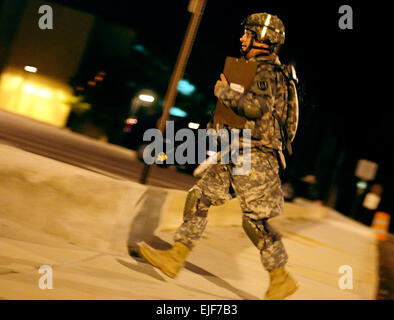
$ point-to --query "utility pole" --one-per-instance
(196, 7)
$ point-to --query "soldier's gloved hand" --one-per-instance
(222, 81)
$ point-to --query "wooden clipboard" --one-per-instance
(240, 74)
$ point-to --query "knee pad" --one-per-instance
(254, 230)
(196, 203)
(260, 232)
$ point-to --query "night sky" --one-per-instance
(342, 72)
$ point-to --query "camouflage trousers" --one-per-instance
(260, 195)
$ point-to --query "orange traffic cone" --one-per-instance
(380, 223)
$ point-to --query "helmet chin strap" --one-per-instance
(244, 53)
(269, 50)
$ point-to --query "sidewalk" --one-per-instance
(80, 223)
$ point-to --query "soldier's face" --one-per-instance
(246, 40)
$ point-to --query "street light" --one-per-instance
(193, 125)
(146, 97)
(30, 69)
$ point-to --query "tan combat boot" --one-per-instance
(282, 285)
(169, 261)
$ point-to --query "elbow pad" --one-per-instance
(251, 111)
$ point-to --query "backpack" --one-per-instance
(288, 122)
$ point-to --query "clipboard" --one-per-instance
(240, 74)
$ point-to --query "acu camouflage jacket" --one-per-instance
(270, 92)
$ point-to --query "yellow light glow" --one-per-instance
(41, 98)
(60, 95)
(31, 69)
(10, 82)
(131, 121)
(193, 125)
(29, 88)
(44, 94)
(162, 156)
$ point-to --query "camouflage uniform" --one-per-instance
(259, 191)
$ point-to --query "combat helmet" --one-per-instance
(266, 28)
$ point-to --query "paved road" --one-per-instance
(84, 152)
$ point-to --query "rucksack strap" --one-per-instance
(283, 133)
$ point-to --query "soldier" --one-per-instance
(264, 108)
